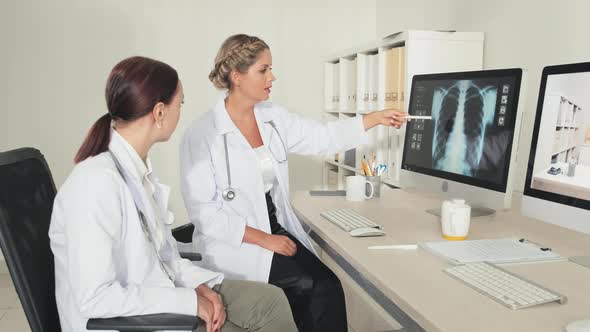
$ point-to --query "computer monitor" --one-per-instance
(466, 150)
(557, 187)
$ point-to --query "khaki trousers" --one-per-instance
(254, 306)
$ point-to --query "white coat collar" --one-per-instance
(224, 124)
(129, 158)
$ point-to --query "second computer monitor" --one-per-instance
(465, 151)
(557, 188)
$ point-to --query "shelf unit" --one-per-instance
(378, 76)
(566, 134)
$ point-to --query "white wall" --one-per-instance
(527, 33)
(313, 32)
(56, 56)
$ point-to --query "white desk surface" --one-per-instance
(576, 186)
(414, 280)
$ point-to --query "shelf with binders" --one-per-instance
(377, 76)
(379, 81)
(340, 84)
(566, 134)
(568, 114)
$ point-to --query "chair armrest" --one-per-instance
(145, 323)
(192, 256)
(184, 233)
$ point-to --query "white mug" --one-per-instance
(355, 188)
(455, 219)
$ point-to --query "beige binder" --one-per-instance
(391, 78)
(401, 78)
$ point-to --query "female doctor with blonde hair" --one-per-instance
(110, 227)
(234, 180)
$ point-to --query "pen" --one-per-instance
(380, 169)
(366, 168)
(418, 117)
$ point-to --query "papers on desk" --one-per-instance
(490, 250)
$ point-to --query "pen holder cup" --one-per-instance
(376, 182)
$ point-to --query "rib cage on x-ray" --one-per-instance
(461, 113)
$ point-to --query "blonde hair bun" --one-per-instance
(238, 52)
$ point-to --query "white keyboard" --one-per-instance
(502, 286)
(348, 220)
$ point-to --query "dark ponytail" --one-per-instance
(97, 140)
(134, 87)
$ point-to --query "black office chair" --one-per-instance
(184, 234)
(27, 192)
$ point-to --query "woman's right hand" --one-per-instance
(275, 243)
(280, 244)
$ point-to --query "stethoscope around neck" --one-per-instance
(229, 193)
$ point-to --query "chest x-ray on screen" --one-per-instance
(470, 131)
(462, 113)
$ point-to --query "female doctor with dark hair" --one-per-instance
(234, 180)
(110, 228)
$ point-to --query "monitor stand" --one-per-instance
(476, 211)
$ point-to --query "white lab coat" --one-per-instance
(104, 264)
(220, 225)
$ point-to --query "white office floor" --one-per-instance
(12, 317)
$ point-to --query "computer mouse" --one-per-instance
(366, 231)
(578, 326)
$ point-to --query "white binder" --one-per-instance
(362, 82)
(344, 86)
(329, 86)
(352, 85)
(373, 61)
(336, 87)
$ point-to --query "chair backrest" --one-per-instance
(27, 192)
